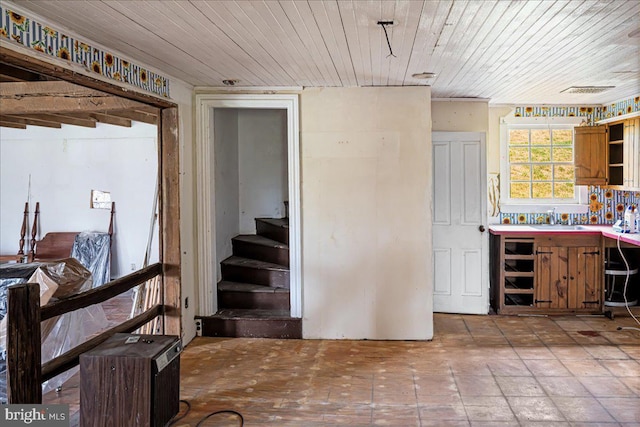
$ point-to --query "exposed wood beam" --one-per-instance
(17, 58)
(138, 116)
(32, 122)
(108, 119)
(12, 125)
(13, 74)
(67, 120)
(59, 97)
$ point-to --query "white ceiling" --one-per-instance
(508, 51)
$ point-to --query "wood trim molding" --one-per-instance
(169, 217)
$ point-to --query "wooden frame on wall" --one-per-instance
(169, 168)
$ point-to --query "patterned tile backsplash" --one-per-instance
(605, 207)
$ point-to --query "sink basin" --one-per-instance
(559, 227)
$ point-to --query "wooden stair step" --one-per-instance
(253, 263)
(232, 313)
(273, 228)
(245, 270)
(261, 248)
(228, 286)
(261, 240)
(237, 295)
(252, 323)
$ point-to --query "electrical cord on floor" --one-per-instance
(206, 417)
(624, 292)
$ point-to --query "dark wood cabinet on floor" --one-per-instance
(547, 273)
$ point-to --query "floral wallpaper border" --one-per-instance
(591, 113)
(37, 36)
(605, 207)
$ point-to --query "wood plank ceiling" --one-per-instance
(507, 51)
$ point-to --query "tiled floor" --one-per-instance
(477, 371)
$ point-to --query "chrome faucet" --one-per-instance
(552, 216)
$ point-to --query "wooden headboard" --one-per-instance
(54, 246)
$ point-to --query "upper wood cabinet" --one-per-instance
(590, 155)
(608, 155)
(631, 154)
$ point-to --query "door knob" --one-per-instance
(481, 228)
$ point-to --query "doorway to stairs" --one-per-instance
(247, 168)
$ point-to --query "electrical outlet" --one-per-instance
(133, 267)
(198, 327)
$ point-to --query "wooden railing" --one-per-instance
(25, 371)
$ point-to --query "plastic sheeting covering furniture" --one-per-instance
(57, 280)
(92, 249)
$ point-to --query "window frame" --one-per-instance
(505, 165)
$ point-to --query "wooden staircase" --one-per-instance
(253, 295)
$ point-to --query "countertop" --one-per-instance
(604, 230)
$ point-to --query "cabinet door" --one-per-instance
(585, 277)
(551, 277)
(632, 153)
(590, 154)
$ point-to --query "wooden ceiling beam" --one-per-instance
(14, 74)
(138, 116)
(67, 120)
(12, 125)
(107, 119)
(18, 59)
(30, 121)
(59, 97)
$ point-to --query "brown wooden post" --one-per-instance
(23, 230)
(34, 232)
(24, 347)
(170, 220)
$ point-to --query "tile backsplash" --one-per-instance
(606, 206)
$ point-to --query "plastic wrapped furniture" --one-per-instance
(57, 280)
(92, 249)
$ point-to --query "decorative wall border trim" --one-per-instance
(591, 113)
(37, 36)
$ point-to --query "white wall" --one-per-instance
(262, 146)
(63, 166)
(227, 187)
(366, 221)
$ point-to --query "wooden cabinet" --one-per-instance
(568, 278)
(608, 155)
(631, 154)
(546, 273)
(615, 153)
(512, 273)
(590, 155)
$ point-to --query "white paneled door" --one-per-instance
(460, 240)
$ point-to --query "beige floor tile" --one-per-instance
(534, 353)
(606, 387)
(585, 368)
(582, 409)
(506, 368)
(563, 386)
(546, 368)
(520, 386)
(633, 383)
(622, 368)
(623, 410)
(477, 385)
(535, 409)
